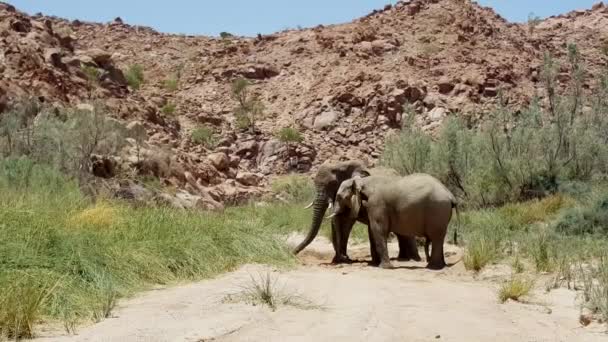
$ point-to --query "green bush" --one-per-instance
(249, 108)
(171, 84)
(289, 135)
(589, 219)
(226, 35)
(135, 76)
(65, 139)
(204, 135)
(297, 188)
(169, 109)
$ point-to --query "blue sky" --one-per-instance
(249, 17)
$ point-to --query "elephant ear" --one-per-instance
(355, 199)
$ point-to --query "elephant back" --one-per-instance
(383, 172)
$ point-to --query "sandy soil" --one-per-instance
(352, 303)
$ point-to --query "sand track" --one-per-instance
(356, 303)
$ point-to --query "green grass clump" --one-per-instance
(63, 258)
(266, 290)
(169, 109)
(204, 135)
(481, 250)
(171, 84)
(289, 135)
(514, 289)
(135, 76)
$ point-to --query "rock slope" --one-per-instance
(344, 87)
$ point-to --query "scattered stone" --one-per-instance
(325, 120)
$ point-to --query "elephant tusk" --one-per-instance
(332, 215)
(330, 205)
(309, 206)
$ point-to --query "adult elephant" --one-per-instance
(328, 179)
(414, 205)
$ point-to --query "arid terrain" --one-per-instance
(348, 303)
(343, 87)
(134, 160)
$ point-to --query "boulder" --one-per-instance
(98, 56)
(248, 178)
(325, 120)
(219, 160)
(247, 148)
(267, 150)
(259, 72)
(133, 192)
(445, 86)
(136, 130)
(437, 114)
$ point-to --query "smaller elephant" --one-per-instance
(414, 205)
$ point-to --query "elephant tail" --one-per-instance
(455, 207)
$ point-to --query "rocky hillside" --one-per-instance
(344, 87)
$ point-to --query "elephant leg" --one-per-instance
(372, 247)
(344, 231)
(341, 227)
(437, 261)
(408, 250)
(380, 232)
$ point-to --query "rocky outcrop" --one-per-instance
(344, 87)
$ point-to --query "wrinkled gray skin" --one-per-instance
(414, 205)
(327, 181)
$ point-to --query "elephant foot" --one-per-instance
(387, 265)
(436, 265)
(341, 259)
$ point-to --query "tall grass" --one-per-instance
(63, 257)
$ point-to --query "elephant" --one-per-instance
(327, 181)
(413, 205)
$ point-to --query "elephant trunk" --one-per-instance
(319, 208)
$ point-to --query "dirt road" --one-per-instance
(352, 303)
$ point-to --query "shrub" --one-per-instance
(513, 156)
(589, 219)
(135, 76)
(289, 135)
(169, 109)
(66, 139)
(514, 289)
(533, 21)
(226, 35)
(203, 135)
(296, 188)
(249, 108)
(92, 74)
(171, 84)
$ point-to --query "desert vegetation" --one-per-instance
(531, 181)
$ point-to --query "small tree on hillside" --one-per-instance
(249, 108)
(289, 136)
